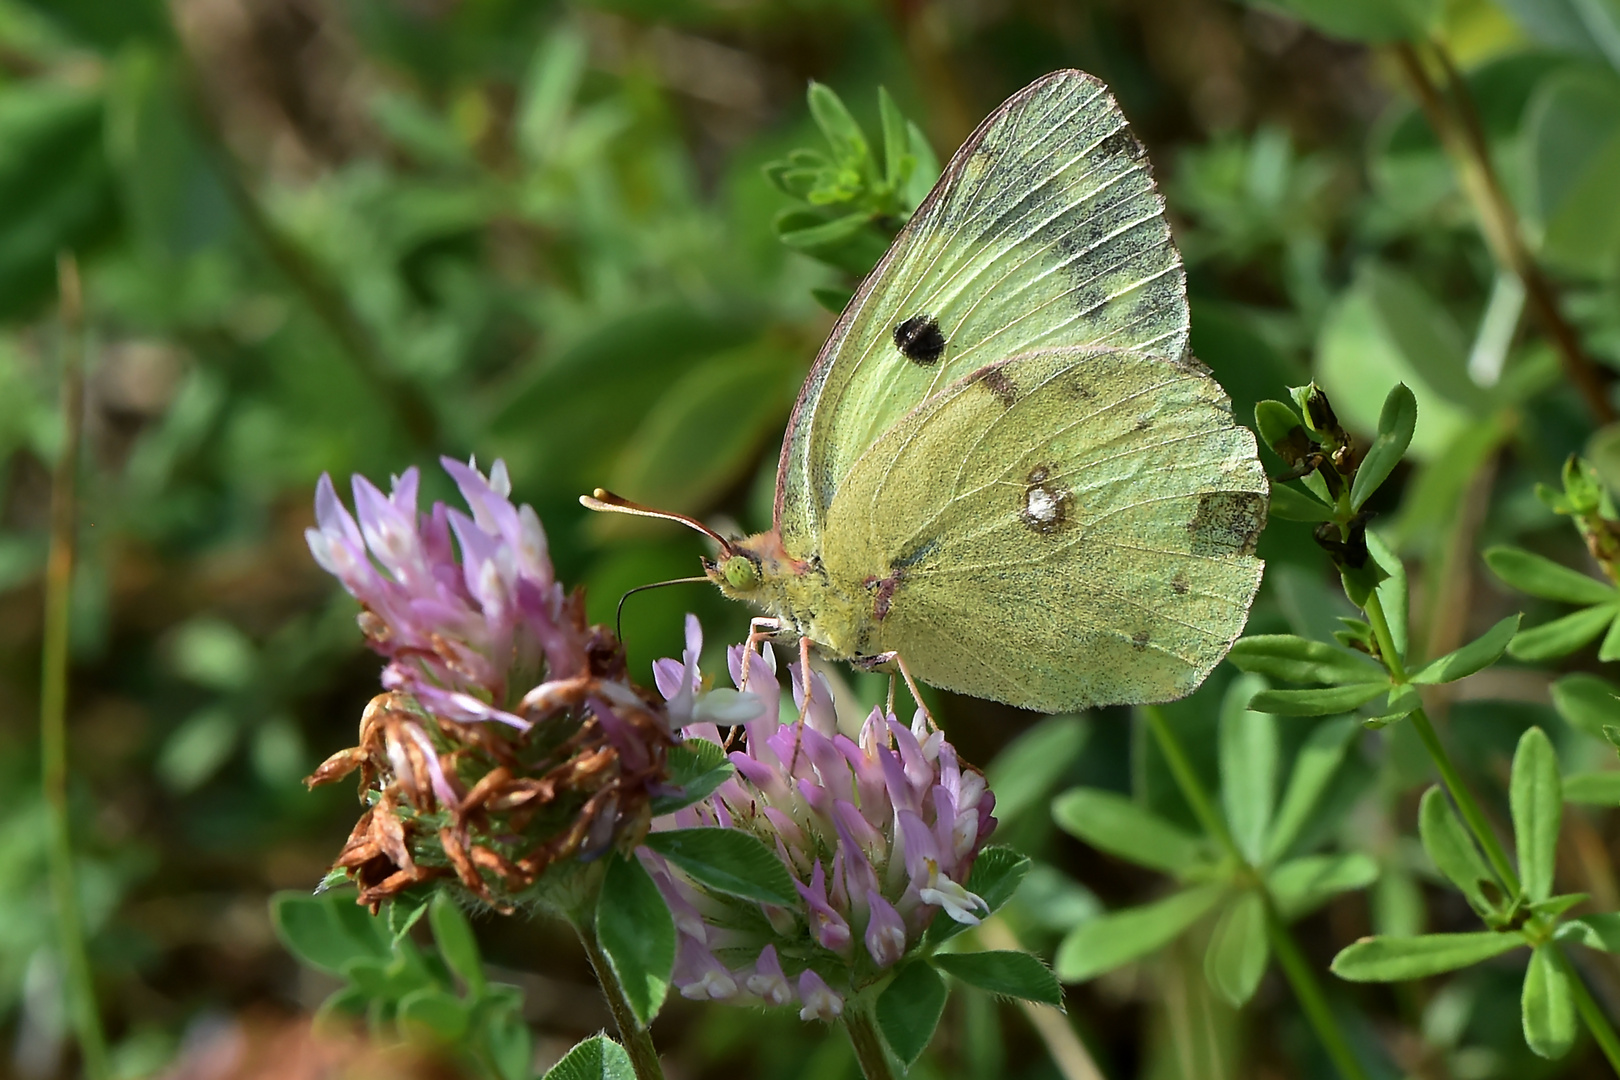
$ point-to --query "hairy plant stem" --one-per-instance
(869, 1052)
(635, 1039)
(53, 743)
(1456, 124)
(1295, 968)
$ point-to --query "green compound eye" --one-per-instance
(740, 572)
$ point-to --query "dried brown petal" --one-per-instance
(336, 767)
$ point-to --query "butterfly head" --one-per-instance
(735, 571)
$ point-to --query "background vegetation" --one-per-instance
(353, 235)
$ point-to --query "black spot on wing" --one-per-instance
(1120, 144)
(1227, 523)
(920, 340)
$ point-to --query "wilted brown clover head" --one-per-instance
(508, 737)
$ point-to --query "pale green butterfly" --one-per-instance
(1005, 472)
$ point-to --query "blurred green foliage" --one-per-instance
(350, 235)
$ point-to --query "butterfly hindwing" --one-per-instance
(1044, 230)
(1065, 528)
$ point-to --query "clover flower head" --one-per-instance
(507, 736)
(878, 830)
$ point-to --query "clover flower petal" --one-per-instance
(878, 832)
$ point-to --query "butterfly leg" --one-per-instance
(911, 684)
(804, 671)
(761, 628)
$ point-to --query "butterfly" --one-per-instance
(1005, 473)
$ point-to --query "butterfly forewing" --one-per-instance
(1044, 230)
(1065, 528)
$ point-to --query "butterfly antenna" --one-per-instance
(618, 616)
(606, 502)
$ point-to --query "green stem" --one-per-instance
(1293, 962)
(869, 1052)
(80, 982)
(1596, 1022)
(635, 1039)
(1478, 824)
(1192, 789)
(1456, 124)
(1484, 835)
(1311, 999)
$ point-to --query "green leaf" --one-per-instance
(454, 936)
(1315, 765)
(700, 437)
(1582, 26)
(1108, 941)
(636, 931)
(1562, 636)
(595, 1058)
(842, 132)
(1587, 702)
(1290, 504)
(728, 860)
(897, 158)
(1024, 771)
(997, 873)
(1572, 144)
(1332, 699)
(1540, 576)
(1548, 1004)
(1238, 949)
(1477, 655)
(1555, 906)
(926, 170)
(56, 184)
(834, 300)
(1537, 803)
(549, 89)
(1395, 426)
(1403, 701)
(1005, 974)
(318, 932)
(1594, 931)
(802, 236)
(434, 1013)
(1247, 748)
(1297, 659)
(339, 1012)
(909, 1009)
(1593, 788)
(1114, 823)
(1451, 849)
(508, 1041)
(400, 917)
(696, 768)
(390, 980)
(1609, 648)
(1397, 959)
(1300, 886)
(1392, 590)
(198, 748)
(1281, 429)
